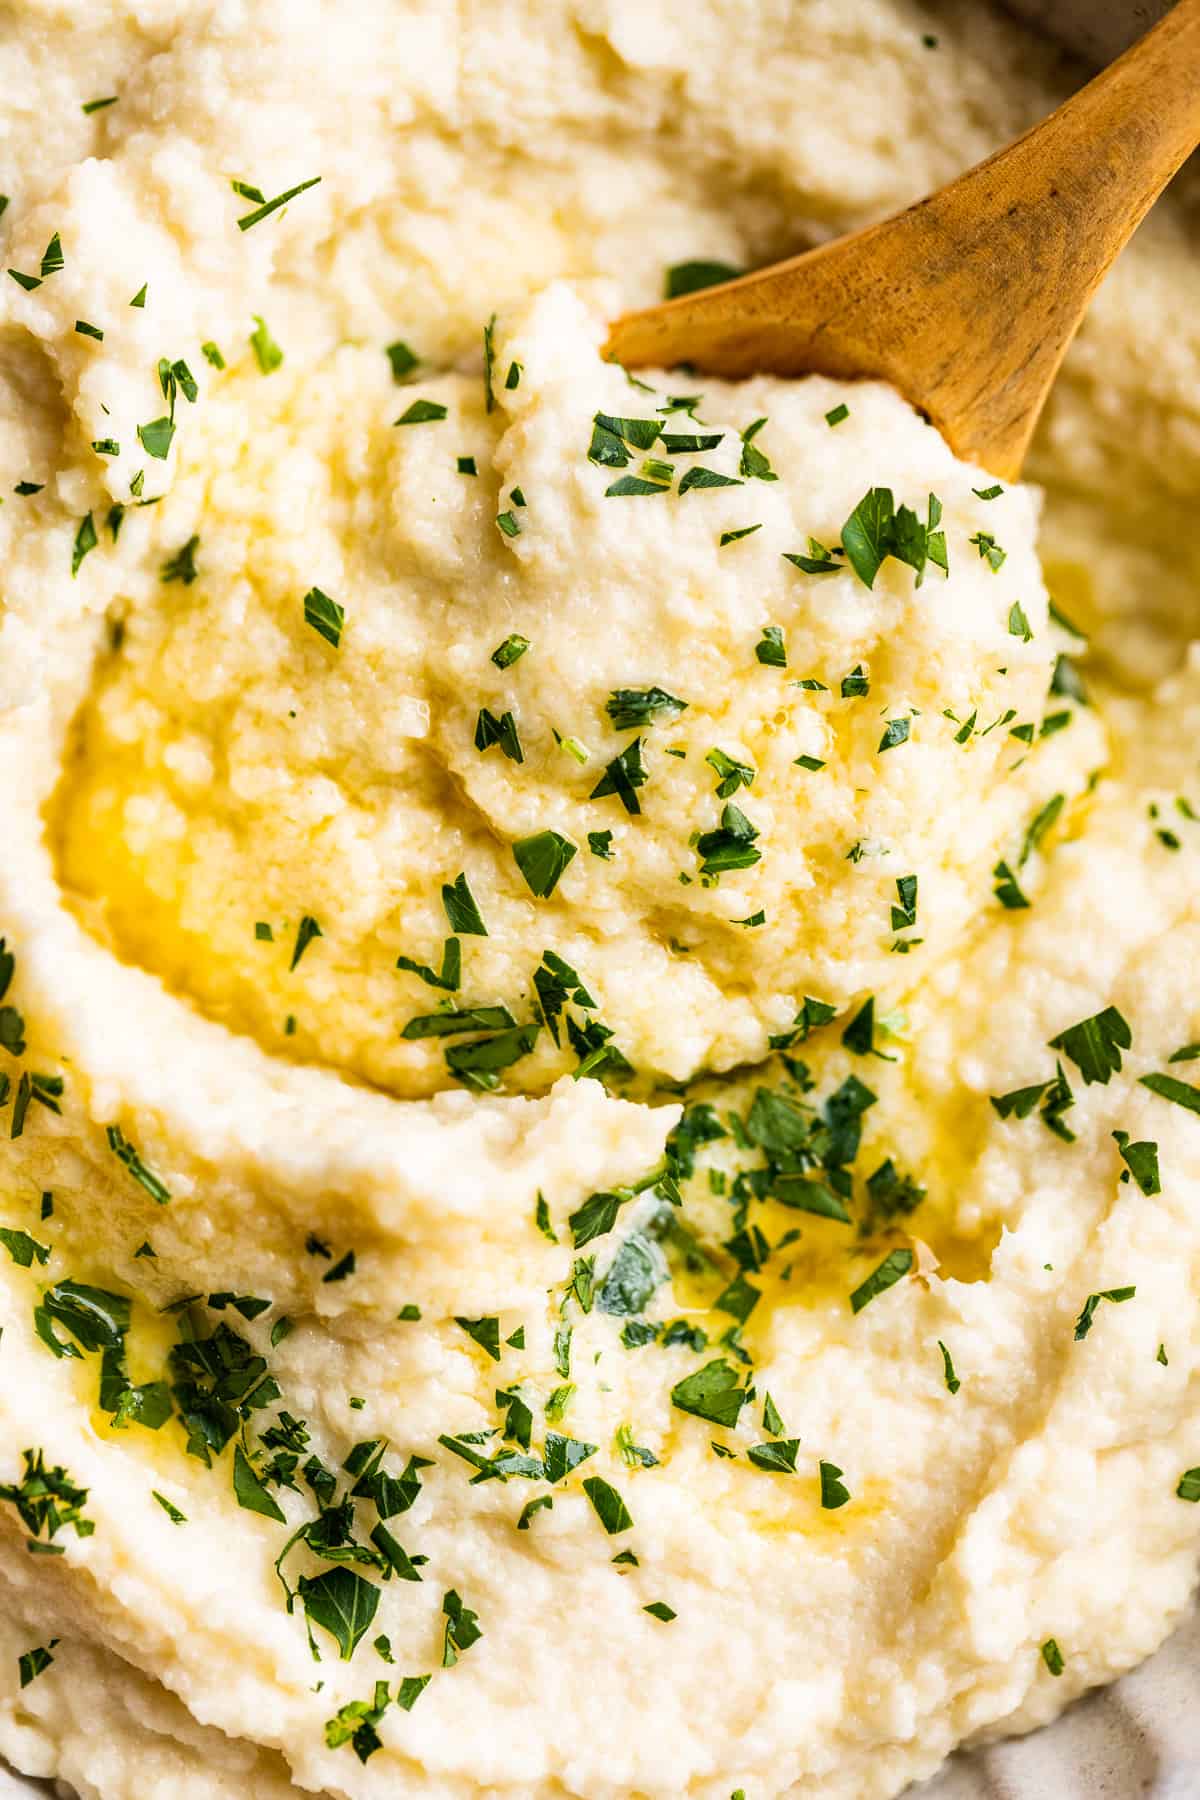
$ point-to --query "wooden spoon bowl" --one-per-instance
(967, 301)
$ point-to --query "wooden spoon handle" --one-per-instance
(967, 301)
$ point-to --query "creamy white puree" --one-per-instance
(184, 760)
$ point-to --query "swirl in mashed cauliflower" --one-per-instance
(595, 1033)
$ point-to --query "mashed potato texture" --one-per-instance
(597, 1030)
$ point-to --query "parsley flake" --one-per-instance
(1083, 1323)
(461, 910)
(422, 412)
(608, 1505)
(325, 616)
(542, 860)
(266, 351)
(307, 930)
(270, 206)
(951, 1379)
(1181, 1093)
(1095, 1045)
(894, 1267)
(833, 1493)
(510, 651)
(689, 277)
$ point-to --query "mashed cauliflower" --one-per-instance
(594, 1037)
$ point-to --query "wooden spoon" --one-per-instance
(967, 301)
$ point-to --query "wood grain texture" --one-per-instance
(967, 301)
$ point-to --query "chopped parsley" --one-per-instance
(611, 435)
(491, 730)
(904, 912)
(711, 1393)
(623, 776)
(510, 651)
(819, 560)
(689, 277)
(635, 709)
(877, 529)
(461, 909)
(32, 1663)
(127, 1155)
(733, 537)
(402, 359)
(484, 1332)
(1043, 820)
(730, 846)
(608, 1505)
(895, 732)
(754, 464)
(23, 1249)
(1141, 1163)
(833, 1493)
(249, 1490)
(47, 1501)
(341, 1603)
(1054, 1096)
(462, 1629)
(451, 973)
(181, 566)
(542, 860)
(655, 479)
(1095, 1045)
(270, 206)
(1083, 1323)
(1018, 624)
(422, 412)
(1181, 1093)
(1052, 1656)
(266, 351)
(355, 1723)
(770, 648)
(894, 1267)
(307, 930)
(52, 258)
(325, 616)
(706, 478)
(156, 436)
(1008, 889)
(991, 553)
(85, 541)
(731, 773)
(776, 1458)
(951, 1379)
